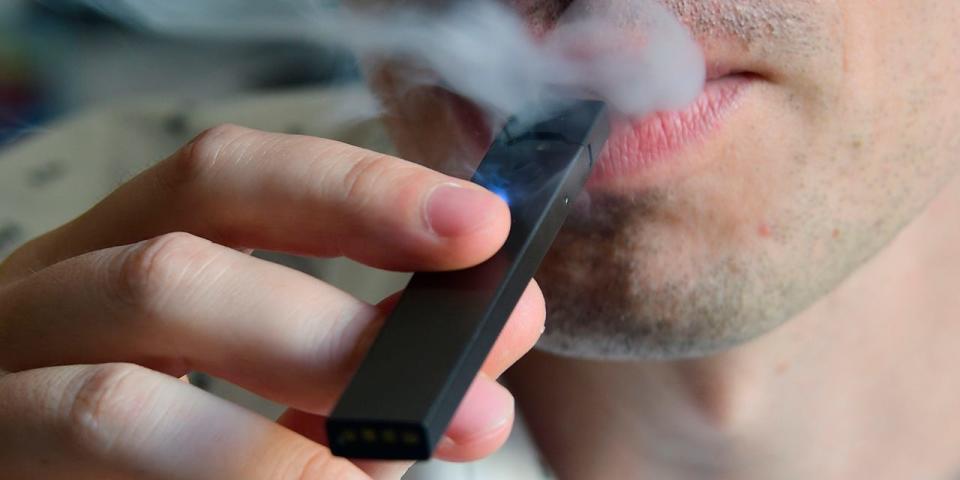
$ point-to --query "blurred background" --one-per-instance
(120, 98)
(58, 56)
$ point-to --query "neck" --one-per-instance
(861, 385)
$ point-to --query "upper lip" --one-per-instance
(715, 71)
(724, 59)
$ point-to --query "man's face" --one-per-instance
(825, 128)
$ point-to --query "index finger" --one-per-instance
(250, 189)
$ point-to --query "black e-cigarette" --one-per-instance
(403, 396)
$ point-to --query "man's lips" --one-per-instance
(639, 152)
(648, 147)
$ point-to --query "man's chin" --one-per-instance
(637, 344)
(652, 328)
(613, 302)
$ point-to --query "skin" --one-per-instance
(786, 294)
(99, 317)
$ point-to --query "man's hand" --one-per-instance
(99, 317)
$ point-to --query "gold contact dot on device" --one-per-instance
(348, 436)
(410, 438)
(389, 436)
(369, 435)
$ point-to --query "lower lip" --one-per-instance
(648, 149)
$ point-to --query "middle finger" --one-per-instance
(180, 302)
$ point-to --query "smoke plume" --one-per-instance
(479, 49)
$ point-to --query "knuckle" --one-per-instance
(201, 155)
(12, 267)
(150, 270)
(365, 176)
(107, 400)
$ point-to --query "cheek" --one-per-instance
(901, 92)
(849, 158)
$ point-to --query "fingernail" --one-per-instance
(445, 442)
(452, 210)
